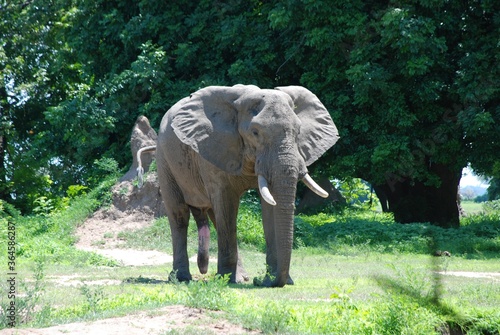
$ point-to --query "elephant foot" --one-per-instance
(271, 281)
(241, 274)
(180, 276)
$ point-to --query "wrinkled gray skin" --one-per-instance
(211, 147)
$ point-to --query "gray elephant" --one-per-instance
(221, 141)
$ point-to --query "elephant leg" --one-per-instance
(271, 249)
(225, 208)
(178, 218)
(241, 274)
(200, 216)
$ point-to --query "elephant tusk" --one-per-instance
(264, 191)
(140, 169)
(314, 186)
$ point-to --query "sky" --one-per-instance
(470, 179)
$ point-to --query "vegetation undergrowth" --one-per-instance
(479, 236)
(50, 236)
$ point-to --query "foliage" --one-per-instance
(357, 193)
(409, 87)
(494, 188)
(28, 298)
(43, 207)
(250, 229)
(49, 236)
(94, 297)
(212, 293)
(492, 207)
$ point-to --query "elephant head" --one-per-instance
(271, 135)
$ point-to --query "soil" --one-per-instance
(161, 321)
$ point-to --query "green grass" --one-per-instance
(356, 272)
(471, 207)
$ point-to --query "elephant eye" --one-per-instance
(255, 132)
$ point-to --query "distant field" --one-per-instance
(471, 207)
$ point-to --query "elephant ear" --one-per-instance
(318, 133)
(207, 121)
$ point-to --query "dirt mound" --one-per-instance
(143, 135)
(132, 208)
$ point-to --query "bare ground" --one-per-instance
(161, 321)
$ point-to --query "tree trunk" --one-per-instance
(382, 197)
(413, 201)
(4, 190)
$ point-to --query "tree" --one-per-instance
(494, 189)
(26, 89)
(414, 89)
(413, 86)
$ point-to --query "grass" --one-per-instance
(356, 272)
(471, 207)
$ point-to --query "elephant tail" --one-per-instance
(140, 169)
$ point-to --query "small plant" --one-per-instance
(341, 296)
(107, 164)
(152, 166)
(210, 294)
(98, 243)
(76, 190)
(275, 318)
(123, 190)
(172, 278)
(94, 297)
(28, 298)
(43, 206)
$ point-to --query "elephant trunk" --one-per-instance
(284, 192)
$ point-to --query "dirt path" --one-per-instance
(155, 322)
(487, 275)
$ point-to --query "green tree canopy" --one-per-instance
(412, 85)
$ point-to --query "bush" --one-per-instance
(249, 223)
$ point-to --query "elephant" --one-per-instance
(221, 141)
